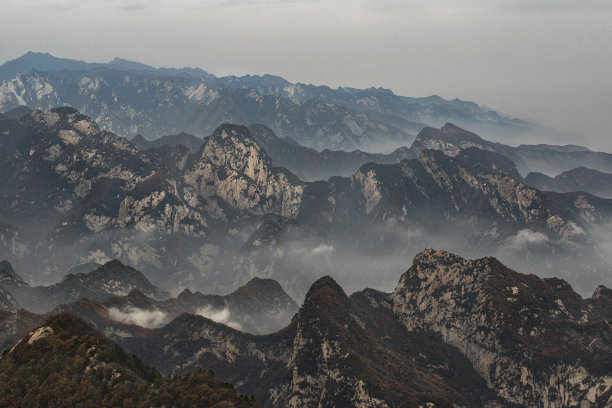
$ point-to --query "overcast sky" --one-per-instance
(548, 60)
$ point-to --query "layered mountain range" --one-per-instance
(73, 193)
(129, 98)
(110, 279)
(124, 229)
(123, 294)
(454, 332)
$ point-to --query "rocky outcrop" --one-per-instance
(232, 166)
(534, 341)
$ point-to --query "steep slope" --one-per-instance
(64, 156)
(67, 361)
(455, 332)
(534, 341)
(75, 194)
(232, 166)
(579, 179)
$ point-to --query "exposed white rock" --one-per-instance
(40, 333)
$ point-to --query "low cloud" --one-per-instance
(573, 230)
(322, 249)
(141, 317)
(527, 237)
(222, 316)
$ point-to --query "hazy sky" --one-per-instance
(541, 59)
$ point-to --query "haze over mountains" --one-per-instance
(226, 213)
(129, 98)
(221, 223)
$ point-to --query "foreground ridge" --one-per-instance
(67, 360)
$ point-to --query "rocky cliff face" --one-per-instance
(232, 166)
(454, 332)
(534, 341)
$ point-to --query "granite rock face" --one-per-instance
(232, 166)
(535, 341)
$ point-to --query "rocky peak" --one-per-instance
(603, 292)
(233, 147)
(68, 122)
(325, 300)
(264, 291)
(500, 318)
(232, 166)
(114, 278)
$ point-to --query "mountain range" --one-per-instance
(158, 223)
(454, 332)
(73, 193)
(122, 293)
(130, 98)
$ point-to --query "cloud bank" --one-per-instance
(141, 317)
